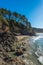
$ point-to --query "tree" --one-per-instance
(2, 11)
(25, 21)
(22, 18)
(16, 16)
(9, 14)
(29, 25)
(5, 13)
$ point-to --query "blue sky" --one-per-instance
(32, 9)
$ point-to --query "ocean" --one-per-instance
(38, 46)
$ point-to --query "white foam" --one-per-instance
(40, 59)
(36, 38)
(39, 52)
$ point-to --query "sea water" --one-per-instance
(38, 47)
(39, 40)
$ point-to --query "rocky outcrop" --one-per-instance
(6, 41)
(6, 60)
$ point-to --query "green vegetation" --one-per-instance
(16, 22)
(38, 30)
(12, 24)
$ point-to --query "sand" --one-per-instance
(22, 37)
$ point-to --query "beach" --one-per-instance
(30, 52)
(23, 51)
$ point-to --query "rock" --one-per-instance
(25, 55)
(6, 41)
(2, 62)
(18, 61)
(19, 52)
(24, 49)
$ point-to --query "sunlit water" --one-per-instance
(38, 46)
(39, 40)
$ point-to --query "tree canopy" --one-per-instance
(14, 18)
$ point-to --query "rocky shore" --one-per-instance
(16, 55)
(20, 53)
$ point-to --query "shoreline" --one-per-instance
(21, 38)
(27, 57)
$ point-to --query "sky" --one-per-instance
(32, 9)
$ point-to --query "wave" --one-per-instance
(36, 38)
(39, 50)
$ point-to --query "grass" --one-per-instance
(11, 54)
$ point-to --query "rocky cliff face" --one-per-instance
(7, 40)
